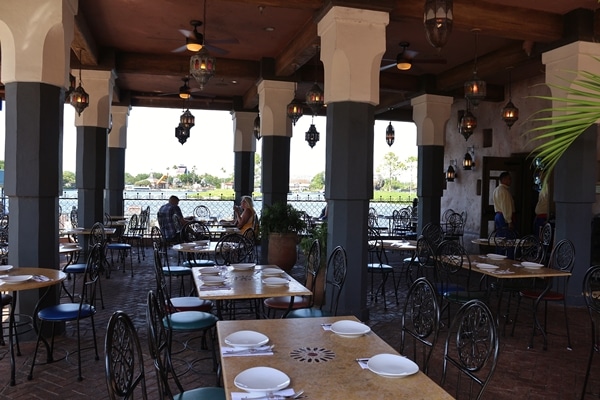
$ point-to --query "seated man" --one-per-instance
(166, 219)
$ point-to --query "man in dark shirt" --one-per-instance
(170, 225)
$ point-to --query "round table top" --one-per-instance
(42, 277)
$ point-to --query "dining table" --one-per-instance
(503, 269)
(317, 360)
(250, 283)
(16, 280)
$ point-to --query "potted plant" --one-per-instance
(281, 223)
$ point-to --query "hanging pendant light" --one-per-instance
(475, 89)
(315, 96)
(202, 67)
(450, 173)
(467, 123)
(390, 134)
(312, 135)
(187, 120)
(71, 89)
(295, 110)
(182, 134)
(437, 19)
(256, 128)
(78, 97)
(510, 113)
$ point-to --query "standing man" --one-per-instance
(170, 219)
(504, 205)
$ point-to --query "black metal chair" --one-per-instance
(133, 235)
(378, 264)
(124, 360)
(233, 248)
(337, 263)
(161, 256)
(67, 312)
(420, 321)
(159, 341)
(434, 233)
(562, 259)
(591, 295)
(472, 348)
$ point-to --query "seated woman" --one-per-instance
(244, 214)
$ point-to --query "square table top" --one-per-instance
(247, 285)
(322, 363)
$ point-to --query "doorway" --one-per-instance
(522, 190)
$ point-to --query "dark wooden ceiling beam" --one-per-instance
(299, 51)
(83, 45)
(512, 23)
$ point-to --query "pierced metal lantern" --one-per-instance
(390, 134)
(312, 136)
(187, 120)
(314, 98)
(182, 134)
(202, 67)
(295, 111)
(437, 19)
(256, 128)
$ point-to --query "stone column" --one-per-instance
(115, 173)
(352, 44)
(431, 114)
(244, 148)
(92, 132)
(276, 132)
(35, 63)
(575, 173)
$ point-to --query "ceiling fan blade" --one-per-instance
(179, 49)
(186, 33)
(215, 49)
(387, 67)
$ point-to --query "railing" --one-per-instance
(221, 207)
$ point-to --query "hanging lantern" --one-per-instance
(390, 134)
(510, 113)
(312, 136)
(202, 67)
(256, 128)
(71, 89)
(182, 134)
(437, 19)
(475, 89)
(467, 123)
(450, 174)
(295, 111)
(187, 120)
(314, 98)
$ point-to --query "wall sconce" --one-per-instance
(469, 160)
(451, 172)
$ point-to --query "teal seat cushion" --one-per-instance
(206, 393)
(190, 320)
(309, 313)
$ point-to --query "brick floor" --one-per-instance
(556, 373)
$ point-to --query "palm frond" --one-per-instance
(579, 110)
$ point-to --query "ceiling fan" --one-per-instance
(185, 91)
(406, 58)
(194, 40)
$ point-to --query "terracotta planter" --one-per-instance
(282, 250)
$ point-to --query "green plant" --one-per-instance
(319, 231)
(579, 110)
(281, 218)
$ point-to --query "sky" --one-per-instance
(152, 146)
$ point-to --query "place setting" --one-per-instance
(348, 328)
(213, 282)
(246, 343)
(243, 266)
(389, 365)
(264, 383)
(275, 281)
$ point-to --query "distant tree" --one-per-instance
(317, 183)
(411, 163)
(129, 179)
(390, 167)
(143, 182)
(1, 164)
(257, 170)
(68, 180)
(209, 180)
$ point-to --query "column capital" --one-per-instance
(431, 114)
(243, 131)
(352, 45)
(273, 98)
(118, 133)
(37, 49)
(99, 85)
(567, 60)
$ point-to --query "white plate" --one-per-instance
(486, 266)
(6, 267)
(349, 328)
(272, 272)
(212, 280)
(209, 271)
(243, 266)
(531, 265)
(246, 339)
(392, 365)
(261, 379)
(496, 256)
(17, 278)
(188, 245)
(202, 242)
(274, 281)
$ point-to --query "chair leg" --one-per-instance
(512, 332)
(589, 364)
(567, 324)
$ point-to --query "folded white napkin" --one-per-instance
(246, 395)
(362, 362)
(40, 278)
(247, 351)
